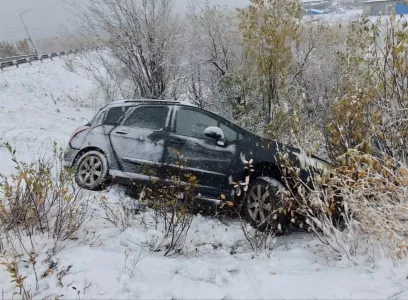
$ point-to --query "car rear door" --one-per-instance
(138, 142)
(210, 163)
(102, 125)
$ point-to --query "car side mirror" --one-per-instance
(216, 133)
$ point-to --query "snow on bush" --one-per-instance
(41, 199)
(39, 202)
(358, 203)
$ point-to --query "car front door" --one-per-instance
(210, 163)
(138, 142)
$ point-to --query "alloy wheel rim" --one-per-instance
(90, 170)
(259, 204)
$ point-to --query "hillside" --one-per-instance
(45, 103)
(40, 104)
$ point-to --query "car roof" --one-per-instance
(130, 102)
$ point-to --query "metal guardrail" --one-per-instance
(17, 57)
(23, 59)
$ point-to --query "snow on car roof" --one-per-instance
(142, 100)
(123, 101)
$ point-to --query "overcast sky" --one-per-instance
(47, 16)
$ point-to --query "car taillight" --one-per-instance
(78, 130)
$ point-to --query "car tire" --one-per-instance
(91, 170)
(264, 196)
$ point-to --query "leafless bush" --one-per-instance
(177, 219)
(173, 204)
(120, 212)
(69, 63)
(143, 39)
(261, 237)
(261, 241)
(103, 69)
(77, 100)
(131, 263)
(41, 198)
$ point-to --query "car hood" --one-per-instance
(267, 150)
(312, 161)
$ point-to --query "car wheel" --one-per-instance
(91, 170)
(262, 199)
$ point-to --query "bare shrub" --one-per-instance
(215, 77)
(69, 64)
(143, 39)
(41, 198)
(261, 238)
(77, 100)
(120, 213)
(131, 263)
(173, 204)
(103, 69)
(260, 241)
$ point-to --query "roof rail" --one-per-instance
(146, 101)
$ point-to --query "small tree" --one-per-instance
(269, 29)
(217, 63)
(371, 112)
(143, 36)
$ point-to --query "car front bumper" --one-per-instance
(69, 157)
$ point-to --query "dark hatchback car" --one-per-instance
(127, 136)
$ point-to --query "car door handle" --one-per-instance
(177, 141)
(121, 132)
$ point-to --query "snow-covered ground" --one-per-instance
(217, 263)
(40, 104)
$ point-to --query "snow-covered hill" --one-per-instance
(40, 104)
(44, 103)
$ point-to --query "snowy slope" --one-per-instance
(36, 107)
(216, 264)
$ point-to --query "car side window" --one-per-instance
(193, 123)
(114, 115)
(148, 117)
(230, 134)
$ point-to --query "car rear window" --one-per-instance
(114, 115)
